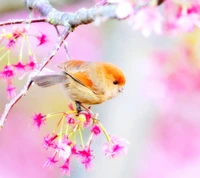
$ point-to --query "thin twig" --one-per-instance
(65, 45)
(22, 21)
(28, 84)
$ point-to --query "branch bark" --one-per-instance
(65, 44)
(21, 21)
(82, 16)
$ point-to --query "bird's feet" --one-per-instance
(78, 107)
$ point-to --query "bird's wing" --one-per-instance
(49, 80)
(74, 66)
(80, 71)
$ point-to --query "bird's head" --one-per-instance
(115, 80)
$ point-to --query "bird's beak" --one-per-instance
(121, 90)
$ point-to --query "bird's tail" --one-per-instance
(50, 80)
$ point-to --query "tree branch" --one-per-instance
(82, 16)
(22, 21)
(65, 44)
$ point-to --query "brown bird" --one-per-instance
(86, 82)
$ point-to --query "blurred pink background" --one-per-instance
(158, 112)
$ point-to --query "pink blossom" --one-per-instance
(194, 8)
(42, 39)
(11, 90)
(66, 140)
(19, 66)
(180, 18)
(39, 119)
(7, 73)
(66, 168)
(32, 63)
(18, 32)
(64, 149)
(116, 146)
(74, 150)
(86, 157)
(49, 141)
(88, 117)
(148, 19)
(11, 44)
(70, 119)
(51, 162)
(187, 22)
(12, 37)
(96, 130)
(70, 106)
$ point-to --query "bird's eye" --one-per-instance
(115, 82)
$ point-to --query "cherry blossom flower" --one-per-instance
(66, 168)
(49, 141)
(115, 147)
(181, 18)
(70, 119)
(188, 20)
(87, 116)
(11, 90)
(18, 32)
(32, 63)
(74, 150)
(86, 157)
(70, 106)
(11, 44)
(96, 130)
(19, 66)
(7, 73)
(39, 119)
(64, 149)
(51, 161)
(147, 20)
(13, 36)
(42, 39)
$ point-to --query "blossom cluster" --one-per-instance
(65, 145)
(9, 41)
(176, 16)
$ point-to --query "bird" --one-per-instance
(86, 82)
